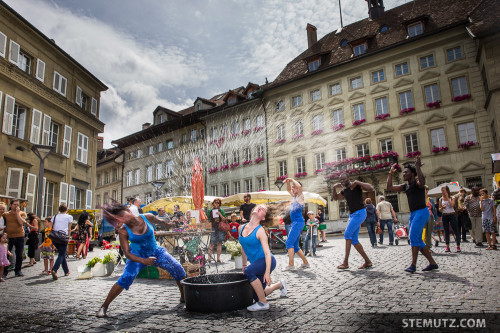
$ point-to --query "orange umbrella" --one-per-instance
(197, 190)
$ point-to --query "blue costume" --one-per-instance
(145, 246)
(292, 240)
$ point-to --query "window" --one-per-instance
(280, 132)
(261, 184)
(259, 121)
(344, 42)
(393, 199)
(298, 128)
(137, 177)
(84, 101)
(139, 153)
(427, 61)
(151, 150)
(149, 173)
(459, 86)
(402, 69)
(19, 121)
(225, 159)
(378, 76)
(40, 69)
(79, 198)
(225, 189)
(114, 195)
(431, 93)
(248, 185)
(318, 122)
(437, 138)
(159, 119)
(159, 171)
(381, 106)
(168, 169)
(282, 171)
(115, 174)
(260, 151)
(106, 177)
(356, 83)
(246, 124)
(193, 135)
(301, 164)
(99, 180)
(59, 83)
(338, 119)
(405, 100)
(170, 144)
(129, 178)
(160, 147)
(296, 101)
(385, 145)
(49, 198)
(131, 155)
(213, 189)
(82, 148)
(232, 100)
(383, 28)
(470, 182)
(236, 156)
(411, 142)
(280, 106)
(3, 44)
(14, 50)
(335, 89)
(24, 62)
(202, 133)
(340, 154)
(214, 161)
(247, 154)
(54, 136)
(315, 95)
(236, 187)
(224, 131)
(313, 65)
(362, 149)
(236, 128)
(320, 161)
(359, 111)
(415, 29)
(466, 132)
(215, 133)
(359, 49)
(184, 138)
(343, 209)
(454, 53)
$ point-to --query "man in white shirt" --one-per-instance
(384, 210)
(134, 206)
(61, 222)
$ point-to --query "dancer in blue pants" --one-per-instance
(415, 191)
(353, 194)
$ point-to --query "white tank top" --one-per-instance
(447, 208)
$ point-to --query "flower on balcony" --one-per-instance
(224, 167)
(297, 136)
(258, 160)
(300, 174)
(397, 167)
(338, 127)
(263, 190)
(279, 141)
(406, 111)
(247, 162)
(316, 132)
(358, 122)
(245, 132)
(382, 116)
(258, 128)
(438, 149)
(461, 98)
(413, 154)
(435, 104)
(282, 177)
(234, 135)
(467, 145)
(233, 165)
(389, 154)
(319, 171)
(213, 170)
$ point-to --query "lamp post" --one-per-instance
(157, 186)
(41, 151)
(279, 183)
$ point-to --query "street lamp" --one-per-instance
(279, 183)
(157, 186)
(41, 151)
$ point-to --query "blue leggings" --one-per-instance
(353, 225)
(163, 260)
(292, 240)
(256, 271)
(418, 220)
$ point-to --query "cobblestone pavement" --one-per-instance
(320, 298)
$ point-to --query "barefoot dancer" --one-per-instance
(142, 251)
(415, 191)
(353, 194)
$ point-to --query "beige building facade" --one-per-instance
(109, 175)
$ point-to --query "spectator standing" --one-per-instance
(215, 216)
(14, 228)
(4, 262)
(2, 220)
(61, 222)
(371, 221)
(472, 203)
(489, 218)
(321, 219)
(235, 226)
(384, 211)
(446, 206)
(135, 204)
(462, 215)
(47, 248)
(312, 225)
(246, 208)
(33, 223)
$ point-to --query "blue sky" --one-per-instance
(167, 52)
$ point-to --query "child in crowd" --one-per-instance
(489, 218)
(47, 248)
(4, 240)
(312, 233)
(235, 226)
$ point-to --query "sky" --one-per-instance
(169, 52)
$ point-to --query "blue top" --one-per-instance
(296, 211)
(371, 213)
(251, 245)
(144, 245)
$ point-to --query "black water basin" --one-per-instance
(217, 292)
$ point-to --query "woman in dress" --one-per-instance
(215, 216)
(82, 228)
(292, 241)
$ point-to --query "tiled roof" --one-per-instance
(438, 15)
(106, 155)
(485, 18)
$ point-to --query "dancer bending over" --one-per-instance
(255, 247)
(142, 251)
(353, 194)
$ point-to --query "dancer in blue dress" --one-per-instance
(141, 252)
(292, 240)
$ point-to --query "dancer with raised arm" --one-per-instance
(415, 192)
(142, 250)
(353, 194)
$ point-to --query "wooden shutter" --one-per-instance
(14, 52)
(63, 194)
(67, 141)
(31, 192)
(93, 108)
(88, 201)
(72, 197)
(85, 149)
(3, 44)
(8, 114)
(78, 97)
(40, 70)
(46, 130)
(36, 124)
(14, 182)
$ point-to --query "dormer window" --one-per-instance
(231, 100)
(359, 49)
(384, 28)
(343, 43)
(197, 107)
(313, 65)
(280, 106)
(415, 29)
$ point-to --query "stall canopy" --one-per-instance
(436, 191)
(185, 203)
(264, 197)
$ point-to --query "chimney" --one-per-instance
(375, 8)
(100, 143)
(146, 125)
(312, 37)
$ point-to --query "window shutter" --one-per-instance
(85, 149)
(36, 124)
(93, 108)
(14, 182)
(57, 77)
(67, 141)
(40, 70)
(72, 196)
(8, 114)
(14, 52)
(88, 201)
(63, 194)
(3, 44)
(30, 192)
(78, 97)
(46, 130)
(63, 86)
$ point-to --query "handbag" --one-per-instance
(58, 236)
(223, 226)
(379, 231)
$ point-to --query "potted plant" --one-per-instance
(235, 249)
(84, 272)
(96, 267)
(109, 262)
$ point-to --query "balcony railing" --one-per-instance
(361, 165)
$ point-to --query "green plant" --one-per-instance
(234, 248)
(93, 261)
(112, 256)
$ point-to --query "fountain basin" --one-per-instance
(216, 293)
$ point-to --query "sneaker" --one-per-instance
(314, 254)
(20, 274)
(458, 249)
(411, 269)
(283, 289)
(391, 244)
(479, 244)
(289, 268)
(303, 266)
(447, 249)
(259, 306)
(430, 268)
(436, 244)
(380, 242)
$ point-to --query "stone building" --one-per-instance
(415, 80)
(46, 98)
(109, 174)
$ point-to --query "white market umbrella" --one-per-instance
(436, 191)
